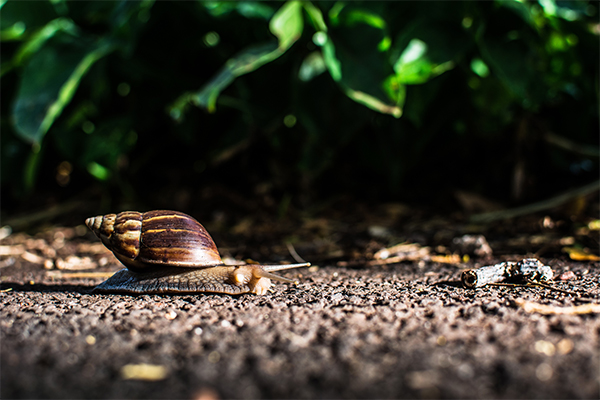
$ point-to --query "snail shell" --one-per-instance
(171, 252)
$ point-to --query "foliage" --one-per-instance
(306, 95)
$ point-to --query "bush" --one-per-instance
(377, 98)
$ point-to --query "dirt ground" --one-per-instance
(347, 330)
(340, 333)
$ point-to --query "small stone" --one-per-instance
(544, 372)
(171, 315)
(225, 323)
(567, 275)
(545, 347)
(565, 346)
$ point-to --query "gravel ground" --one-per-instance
(400, 331)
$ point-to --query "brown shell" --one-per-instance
(156, 238)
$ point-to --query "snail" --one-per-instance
(171, 252)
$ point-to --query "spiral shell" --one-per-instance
(142, 240)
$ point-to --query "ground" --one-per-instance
(348, 329)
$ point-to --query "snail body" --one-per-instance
(169, 252)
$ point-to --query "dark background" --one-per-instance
(523, 128)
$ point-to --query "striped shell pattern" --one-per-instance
(142, 240)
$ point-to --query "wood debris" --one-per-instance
(32, 258)
(447, 259)
(475, 245)
(580, 254)
(144, 372)
(532, 307)
(401, 252)
(77, 275)
(11, 250)
(526, 269)
(75, 263)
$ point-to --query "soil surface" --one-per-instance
(399, 330)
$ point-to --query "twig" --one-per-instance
(74, 275)
(578, 296)
(32, 218)
(528, 269)
(531, 307)
(394, 260)
(294, 254)
(229, 153)
(474, 278)
(553, 288)
(535, 207)
(567, 144)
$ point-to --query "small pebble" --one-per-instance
(225, 323)
(565, 346)
(567, 275)
(544, 372)
(171, 315)
(545, 347)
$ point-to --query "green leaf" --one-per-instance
(373, 102)
(426, 49)
(395, 90)
(13, 32)
(254, 9)
(354, 53)
(312, 66)
(316, 16)
(413, 67)
(358, 16)
(331, 61)
(479, 67)
(248, 9)
(27, 17)
(98, 171)
(243, 63)
(287, 24)
(31, 168)
(49, 82)
(415, 50)
(568, 10)
(36, 41)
